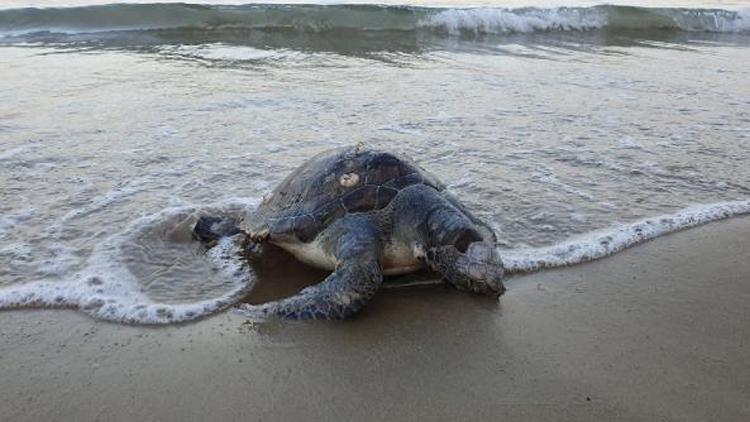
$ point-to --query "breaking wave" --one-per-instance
(18, 23)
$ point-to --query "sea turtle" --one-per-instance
(363, 214)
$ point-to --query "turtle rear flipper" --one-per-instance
(355, 243)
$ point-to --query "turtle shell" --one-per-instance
(333, 184)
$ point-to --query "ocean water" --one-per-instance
(575, 129)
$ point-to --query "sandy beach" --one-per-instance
(657, 332)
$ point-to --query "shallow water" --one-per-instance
(547, 132)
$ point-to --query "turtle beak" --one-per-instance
(478, 269)
(486, 268)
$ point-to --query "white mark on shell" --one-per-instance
(349, 179)
(418, 251)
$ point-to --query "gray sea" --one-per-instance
(551, 120)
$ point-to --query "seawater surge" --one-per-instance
(110, 288)
(575, 132)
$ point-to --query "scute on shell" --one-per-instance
(332, 184)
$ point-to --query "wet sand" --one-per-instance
(657, 332)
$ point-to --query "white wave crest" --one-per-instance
(606, 242)
(499, 21)
(490, 20)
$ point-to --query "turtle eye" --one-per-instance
(465, 239)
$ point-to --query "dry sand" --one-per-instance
(658, 332)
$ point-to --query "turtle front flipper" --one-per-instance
(479, 269)
(449, 240)
(355, 243)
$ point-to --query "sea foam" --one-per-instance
(498, 21)
(489, 20)
(108, 289)
(602, 243)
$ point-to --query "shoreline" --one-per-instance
(658, 331)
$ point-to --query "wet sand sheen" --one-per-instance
(656, 332)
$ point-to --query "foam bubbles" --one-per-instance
(489, 20)
(600, 244)
(10, 220)
(151, 273)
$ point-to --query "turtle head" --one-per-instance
(209, 229)
(254, 223)
(477, 268)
